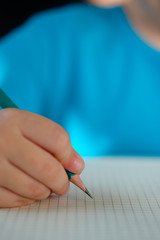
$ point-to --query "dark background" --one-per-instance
(14, 13)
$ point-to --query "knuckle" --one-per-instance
(8, 114)
(37, 191)
(63, 144)
(62, 138)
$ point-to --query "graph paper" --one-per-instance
(126, 205)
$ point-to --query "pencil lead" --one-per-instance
(88, 193)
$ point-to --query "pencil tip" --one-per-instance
(88, 193)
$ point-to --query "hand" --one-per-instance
(34, 153)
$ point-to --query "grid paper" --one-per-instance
(126, 206)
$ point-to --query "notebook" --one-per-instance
(126, 205)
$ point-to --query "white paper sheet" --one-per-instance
(126, 205)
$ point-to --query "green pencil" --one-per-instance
(6, 102)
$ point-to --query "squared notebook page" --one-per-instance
(126, 205)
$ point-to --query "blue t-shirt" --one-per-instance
(85, 68)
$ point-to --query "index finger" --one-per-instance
(51, 137)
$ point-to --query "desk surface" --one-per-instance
(126, 205)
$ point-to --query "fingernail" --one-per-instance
(77, 164)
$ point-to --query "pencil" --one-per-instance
(6, 102)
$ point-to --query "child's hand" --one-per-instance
(34, 153)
